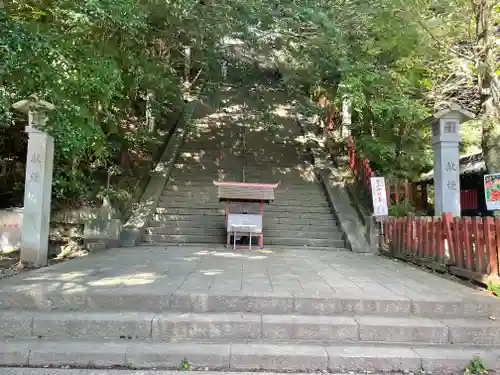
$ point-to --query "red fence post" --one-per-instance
(457, 248)
(440, 241)
(402, 222)
(427, 237)
(448, 233)
(420, 236)
(468, 251)
(497, 231)
(490, 244)
(477, 225)
(395, 237)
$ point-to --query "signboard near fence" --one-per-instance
(492, 191)
(11, 222)
(379, 196)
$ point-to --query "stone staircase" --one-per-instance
(282, 309)
(189, 211)
(65, 319)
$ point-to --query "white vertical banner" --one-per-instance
(379, 196)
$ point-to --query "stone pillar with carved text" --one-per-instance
(346, 117)
(38, 184)
(445, 144)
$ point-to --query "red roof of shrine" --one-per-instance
(245, 192)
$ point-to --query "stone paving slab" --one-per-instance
(54, 371)
(270, 281)
(206, 327)
(267, 357)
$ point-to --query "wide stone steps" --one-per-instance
(203, 211)
(220, 238)
(179, 327)
(169, 204)
(284, 357)
(332, 243)
(339, 302)
(282, 198)
(208, 187)
(208, 223)
(183, 238)
(184, 200)
(191, 198)
(173, 222)
(160, 219)
(219, 229)
(201, 176)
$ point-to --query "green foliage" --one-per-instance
(185, 365)
(400, 209)
(495, 288)
(476, 367)
(97, 60)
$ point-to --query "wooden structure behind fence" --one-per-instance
(466, 247)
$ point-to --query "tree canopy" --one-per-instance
(398, 60)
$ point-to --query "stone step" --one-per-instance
(288, 219)
(199, 174)
(217, 238)
(68, 370)
(285, 160)
(201, 211)
(200, 177)
(207, 223)
(270, 209)
(197, 199)
(214, 169)
(283, 181)
(335, 242)
(220, 238)
(213, 145)
(196, 173)
(196, 159)
(242, 356)
(315, 197)
(200, 223)
(196, 229)
(208, 187)
(324, 209)
(274, 170)
(149, 299)
(271, 235)
(180, 327)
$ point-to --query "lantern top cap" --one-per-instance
(454, 110)
(32, 103)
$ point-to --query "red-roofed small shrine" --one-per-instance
(245, 209)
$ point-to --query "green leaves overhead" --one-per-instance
(97, 59)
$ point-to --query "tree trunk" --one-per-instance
(485, 66)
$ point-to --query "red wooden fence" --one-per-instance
(467, 247)
(396, 191)
(360, 167)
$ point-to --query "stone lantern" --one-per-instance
(445, 142)
(38, 184)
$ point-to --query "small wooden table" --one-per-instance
(245, 222)
(240, 229)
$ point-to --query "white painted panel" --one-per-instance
(245, 219)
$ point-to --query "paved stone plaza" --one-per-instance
(276, 309)
(214, 270)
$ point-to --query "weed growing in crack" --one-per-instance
(475, 367)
